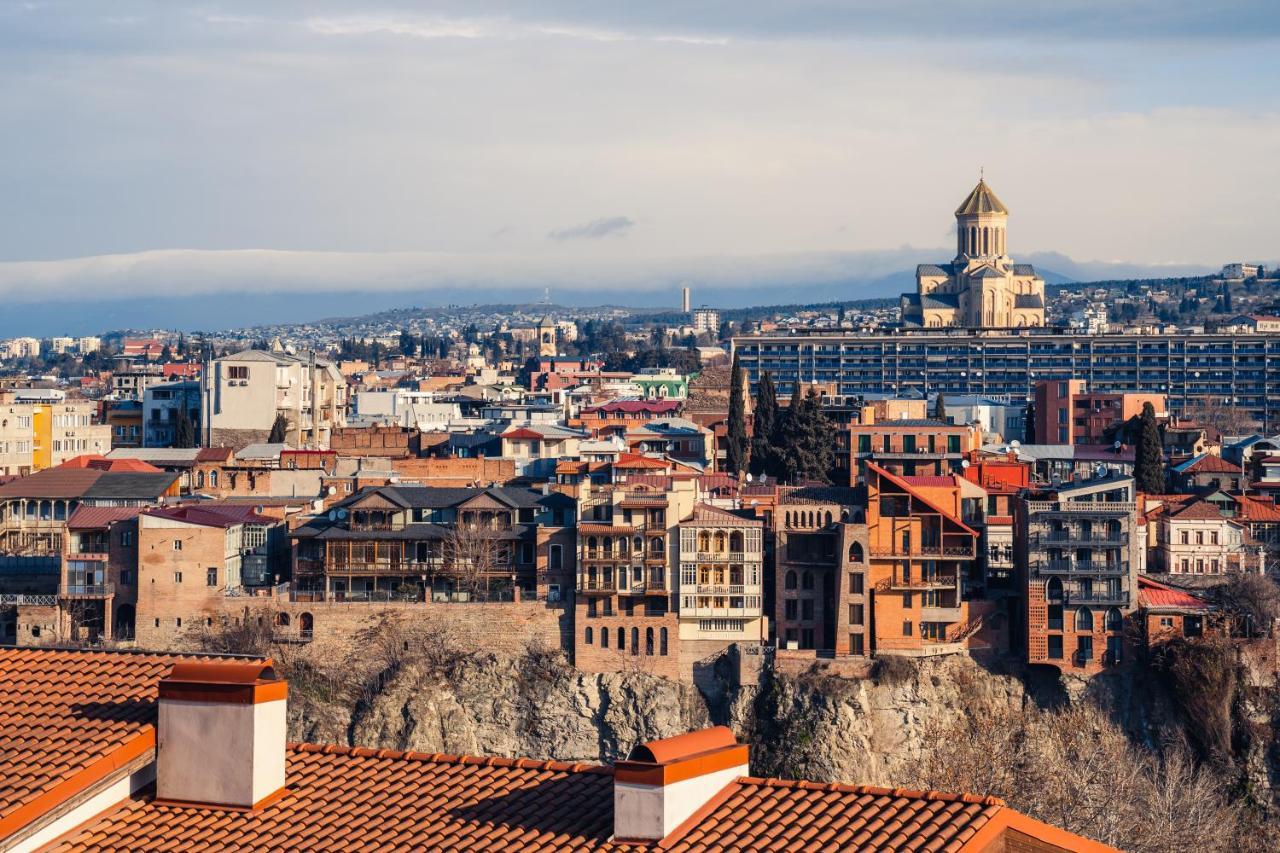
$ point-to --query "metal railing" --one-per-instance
(1068, 538)
(723, 589)
(18, 598)
(82, 590)
(1088, 567)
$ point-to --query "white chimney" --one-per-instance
(663, 782)
(221, 738)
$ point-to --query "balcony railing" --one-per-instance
(945, 552)
(1083, 567)
(723, 589)
(897, 582)
(719, 556)
(1108, 508)
(1118, 598)
(82, 590)
(597, 585)
(1067, 538)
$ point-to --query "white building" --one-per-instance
(21, 348)
(62, 345)
(88, 344)
(243, 394)
(705, 320)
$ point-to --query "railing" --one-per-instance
(81, 590)
(1099, 539)
(932, 582)
(1088, 567)
(1082, 507)
(597, 585)
(39, 600)
(935, 551)
(655, 584)
(1119, 598)
(722, 589)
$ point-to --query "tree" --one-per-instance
(279, 430)
(764, 455)
(184, 431)
(807, 447)
(940, 408)
(737, 438)
(1148, 470)
(1254, 601)
(473, 552)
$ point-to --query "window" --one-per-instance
(648, 641)
(906, 600)
(806, 580)
(587, 636)
(622, 639)
(555, 557)
(1055, 647)
(662, 641)
(806, 610)
(790, 582)
(591, 608)
(211, 576)
(856, 581)
(953, 444)
(856, 614)
(526, 553)
(855, 644)
(237, 372)
(906, 628)
(178, 622)
(177, 544)
(791, 609)
(177, 577)
(604, 638)
(635, 641)
(126, 577)
(864, 444)
(1166, 621)
(1084, 619)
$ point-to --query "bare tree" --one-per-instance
(1226, 418)
(474, 552)
(1254, 601)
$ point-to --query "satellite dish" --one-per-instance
(964, 463)
(1015, 443)
(332, 490)
(333, 515)
(342, 513)
(1100, 471)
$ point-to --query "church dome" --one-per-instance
(981, 200)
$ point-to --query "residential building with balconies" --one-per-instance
(721, 582)
(244, 393)
(921, 554)
(1083, 550)
(628, 550)
(909, 446)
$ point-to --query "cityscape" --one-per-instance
(609, 538)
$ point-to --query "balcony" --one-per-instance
(1071, 539)
(941, 614)
(938, 581)
(936, 552)
(718, 557)
(605, 585)
(82, 590)
(1082, 567)
(1103, 598)
(723, 589)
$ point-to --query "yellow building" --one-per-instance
(982, 287)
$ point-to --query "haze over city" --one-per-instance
(615, 152)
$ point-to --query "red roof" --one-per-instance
(1153, 595)
(211, 515)
(102, 463)
(67, 720)
(97, 517)
(522, 433)
(639, 460)
(930, 482)
(1210, 464)
(1201, 510)
(634, 406)
(1252, 509)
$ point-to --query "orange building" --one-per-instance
(909, 445)
(1066, 413)
(920, 554)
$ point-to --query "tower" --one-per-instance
(981, 220)
(547, 338)
(684, 302)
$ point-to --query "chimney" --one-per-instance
(663, 782)
(221, 739)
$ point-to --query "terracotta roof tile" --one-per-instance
(63, 711)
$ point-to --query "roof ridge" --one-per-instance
(874, 790)
(448, 758)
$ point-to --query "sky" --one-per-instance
(173, 147)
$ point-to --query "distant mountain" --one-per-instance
(221, 290)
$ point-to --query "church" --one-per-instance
(982, 287)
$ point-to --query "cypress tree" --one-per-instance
(764, 427)
(737, 438)
(279, 430)
(184, 432)
(940, 408)
(1148, 471)
(807, 447)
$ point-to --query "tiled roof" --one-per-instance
(930, 482)
(66, 716)
(708, 514)
(1156, 595)
(940, 300)
(933, 269)
(52, 483)
(981, 200)
(1200, 510)
(1023, 269)
(1028, 300)
(1252, 509)
(211, 516)
(103, 463)
(1208, 464)
(95, 517)
(633, 406)
(127, 485)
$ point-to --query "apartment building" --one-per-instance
(908, 446)
(161, 405)
(1195, 538)
(921, 555)
(821, 593)
(17, 440)
(98, 587)
(1187, 368)
(192, 559)
(721, 584)
(36, 436)
(243, 394)
(1083, 551)
(625, 609)
(1066, 412)
(421, 543)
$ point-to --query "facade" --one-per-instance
(909, 446)
(1186, 368)
(721, 584)
(822, 599)
(982, 287)
(36, 436)
(705, 320)
(417, 543)
(160, 407)
(243, 394)
(548, 338)
(921, 555)
(17, 440)
(1195, 538)
(1083, 551)
(98, 588)
(1067, 413)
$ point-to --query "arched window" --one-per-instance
(587, 636)
(827, 517)
(648, 641)
(1053, 589)
(655, 546)
(1115, 619)
(1084, 619)
(213, 479)
(282, 619)
(791, 579)
(720, 541)
(735, 542)
(622, 639)
(704, 541)
(604, 638)
(662, 641)
(855, 552)
(199, 479)
(806, 580)
(591, 544)
(306, 624)
(635, 641)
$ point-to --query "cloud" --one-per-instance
(612, 226)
